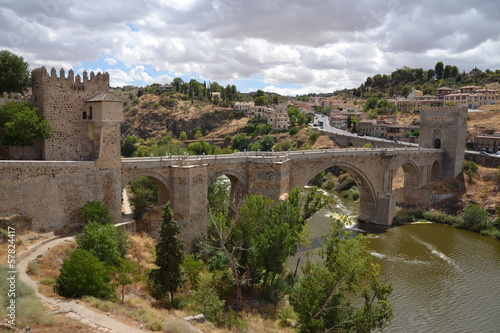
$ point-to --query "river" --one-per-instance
(444, 279)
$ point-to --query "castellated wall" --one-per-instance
(52, 192)
(62, 101)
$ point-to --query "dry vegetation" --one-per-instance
(139, 307)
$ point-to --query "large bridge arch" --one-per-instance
(238, 186)
(407, 187)
(367, 193)
(162, 184)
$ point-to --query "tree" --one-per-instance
(439, 70)
(169, 256)
(475, 217)
(240, 142)
(325, 297)
(124, 275)
(83, 274)
(129, 146)
(20, 125)
(182, 136)
(14, 73)
(102, 241)
(94, 211)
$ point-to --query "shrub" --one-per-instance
(95, 211)
(33, 268)
(346, 184)
(83, 274)
(48, 281)
(440, 217)
(205, 300)
(285, 314)
(314, 136)
(470, 169)
(475, 218)
(293, 130)
(177, 326)
(192, 268)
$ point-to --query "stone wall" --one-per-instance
(62, 101)
(52, 192)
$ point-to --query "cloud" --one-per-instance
(317, 44)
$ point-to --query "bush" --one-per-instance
(314, 136)
(475, 218)
(83, 274)
(177, 326)
(48, 281)
(346, 184)
(33, 268)
(205, 300)
(95, 211)
(285, 314)
(440, 217)
(293, 130)
(470, 169)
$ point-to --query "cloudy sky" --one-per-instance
(286, 46)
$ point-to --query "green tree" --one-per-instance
(439, 70)
(325, 298)
(183, 136)
(83, 274)
(240, 142)
(475, 218)
(219, 196)
(14, 73)
(169, 256)
(129, 146)
(20, 125)
(205, 300)
(94, 211)
(144, 195)
(102, 241)
(192, 268)
(124, 275)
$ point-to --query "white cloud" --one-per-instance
(317, 44)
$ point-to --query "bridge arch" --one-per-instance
(162, 184)
(238, 187)
(367, 193)
(406, 183)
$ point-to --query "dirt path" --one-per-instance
(102, 323)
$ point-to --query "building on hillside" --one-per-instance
(165, 88)
(243, 106)
(488, 143)
(277, 117)
(216, 95)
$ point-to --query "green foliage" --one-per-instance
(83, 274)
(219, 196)
(346, 184)
(103, 242)
(205, 300)
(182, 136)
(20, 125)
(14, 73)
(33, 268)
(314, 136)
(470, 168)
(203, 147)
(475, 218)
(192, 268)
(264, 144)
(343, 292)
(129, 146)
(169, 256)
(94, 211)
(318, 179)
(145, 194)
(283, 146)
(293, 131)
(296, 117)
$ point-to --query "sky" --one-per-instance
(291, 47)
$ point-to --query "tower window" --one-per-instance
(84, 114)
(90, 112)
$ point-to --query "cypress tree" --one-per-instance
(169, 256)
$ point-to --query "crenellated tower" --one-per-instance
(84, 118)
(445, 128)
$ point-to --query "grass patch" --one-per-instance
(33, 268)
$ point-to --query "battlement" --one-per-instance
(40, 75)
(14, 97)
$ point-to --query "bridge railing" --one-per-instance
(267, 157)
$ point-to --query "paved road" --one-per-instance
(86, 315)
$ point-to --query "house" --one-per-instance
(165, 87)
(488, 143)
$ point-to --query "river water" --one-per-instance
(444, 279)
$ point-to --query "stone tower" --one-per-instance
(445, 128)
(84, 118)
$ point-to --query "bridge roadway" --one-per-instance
(184, 179)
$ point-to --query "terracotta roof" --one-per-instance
(104, 98)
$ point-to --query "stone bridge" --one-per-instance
(184, 180)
